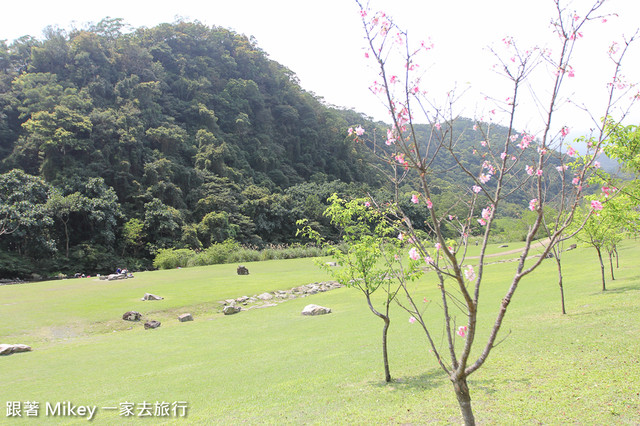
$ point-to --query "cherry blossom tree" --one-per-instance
(494, 178)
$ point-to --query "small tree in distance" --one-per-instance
(494, 178)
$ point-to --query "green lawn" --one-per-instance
(275, 366)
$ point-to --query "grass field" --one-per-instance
(275, 366)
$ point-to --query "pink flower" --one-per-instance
(608, 190)
(429, 204)
(428, 260)
(438, 126)
(596, 164)
(476, 188)
(562, 168)
(503, 155)
(575, 180)
(483, 143)
(425, 300)
(414, 199)
(462, 331)
(390, 139)
(469, 273)
(412, 320)
(350, 131)
(359, 131)
(367, 204)
(529, 170)
(539, 172)
(482, 222)
(475, 127)
(564, 131)
(596, 205)
(484, 178)
(401, 236)
(438, 246)
(533, 204)
(413, 254)
(451, 217)
(486, 212)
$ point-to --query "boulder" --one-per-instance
(132, 316)
(149, 296)
(242, 270)
(331, 264)
(151, 324)
(315, 310)
(231, 309)
(572, 247)
(6, 349)
(265, 296)
(185, 318)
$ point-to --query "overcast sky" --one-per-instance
(322, 41)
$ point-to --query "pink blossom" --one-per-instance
(451, 217)
(484, 178)
(596, 164)
(401, 236)
(571, 73)
(428, 260)
(596, 205)
(533, 204)
(486, 212)
(438, 246)
(608, 190)
(350, 131)
(539, 172)
(429, 204)
(367, 204)
(390, 139)
(414, 199)
(564, 131)
(425, 300)
(571, 152)
(562, 168)
(412, 320)
(366, 55)
(462, 331)
(476, 188)
(413, 254)
(438, 126)
(503, 155)
(359, 131)
(513, 158)
(483, 143)
(529, 170)
(482, 222)
(575, 180)
(469, 273)
(475, 127)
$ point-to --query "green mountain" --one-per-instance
(114, 145)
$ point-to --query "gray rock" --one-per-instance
(151, 324)
(149, 296)
(230, 310)
(6, 349)
(185, 318)
(315, 310)
(132, 316)
(265, 296)
(242, 299)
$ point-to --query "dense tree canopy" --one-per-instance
(180, 135)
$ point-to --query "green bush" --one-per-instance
(172, 258)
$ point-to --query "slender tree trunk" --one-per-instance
(560, 284)
(611, 265)
(604, 288)
(464, 400)
(615, 250)
(66, 234)
(385, 357)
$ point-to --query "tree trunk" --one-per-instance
(385, 357)
(560, 284)
(464, 400)
(604, 288)
(611, 265)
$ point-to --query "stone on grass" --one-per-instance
(265, 296)
(231, 309)
(151, 324)
(315, 310)
(6, 349)
(149, 296)
(185, 318)
(132, 316)
(242, 270)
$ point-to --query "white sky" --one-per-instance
(322, 41)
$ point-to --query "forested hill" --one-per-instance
(191, 130)
(114, 145)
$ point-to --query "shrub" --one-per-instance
(172, 258)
